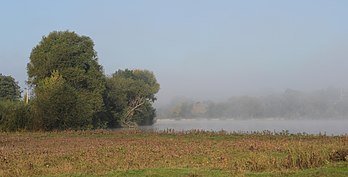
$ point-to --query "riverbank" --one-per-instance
(168, 153)
(328, 126)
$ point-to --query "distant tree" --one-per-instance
(183, 109)
(129, 98)
(9, 89)
(64, 66)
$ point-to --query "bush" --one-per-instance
(339, 155)
(14, 116)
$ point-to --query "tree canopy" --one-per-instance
(130, 94)
(70, 90)
(9, 89)
(70, 54)
(64, 66)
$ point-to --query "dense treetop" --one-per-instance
(131, 93)
(67, 52)
(9, 89)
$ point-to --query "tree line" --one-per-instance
(71, 91)
(291, 104)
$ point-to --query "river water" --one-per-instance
(328, 127)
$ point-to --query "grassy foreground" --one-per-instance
(168, 153)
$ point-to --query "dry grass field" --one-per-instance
(168, 153)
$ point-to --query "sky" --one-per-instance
(200, 49)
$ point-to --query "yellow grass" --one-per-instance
(105, 152)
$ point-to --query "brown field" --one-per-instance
(102, 152)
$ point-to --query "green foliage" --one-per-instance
(129, 97)
(70, 90)
(173, 172)
(68, 81)
(333, 170)
(57, 105)
(72, 55)
(14, 116)
(9, 89)
(146, 114)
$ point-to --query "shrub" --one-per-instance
(339, 155)
(14, 116)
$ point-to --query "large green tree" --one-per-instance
(129, 97)
(9, 89)
(64, 67)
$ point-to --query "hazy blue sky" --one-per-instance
(200, 49)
